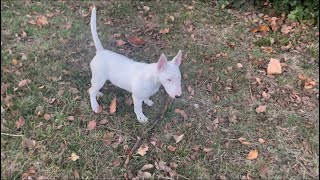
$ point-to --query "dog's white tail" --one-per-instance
(94, 33)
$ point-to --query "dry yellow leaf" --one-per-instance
(253, 154)
(274, 67)
(113, 106)
(74, 157)
(143, 150)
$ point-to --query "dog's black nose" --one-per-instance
(178, 96)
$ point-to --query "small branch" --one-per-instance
(13, 135)
(146, 132)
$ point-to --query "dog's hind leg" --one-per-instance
(97, 83)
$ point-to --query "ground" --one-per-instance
(46, 48)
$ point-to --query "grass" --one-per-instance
(289, 127)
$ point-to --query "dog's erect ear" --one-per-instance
(177, 59)
(162, 63)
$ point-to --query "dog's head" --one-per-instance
(169, 74)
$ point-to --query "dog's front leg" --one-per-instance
(138, 109)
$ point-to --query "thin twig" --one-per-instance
(146, 132)
(14, 135)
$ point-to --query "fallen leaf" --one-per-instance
(268, 50)
(164, 31)
(263, 171)
(188, 7)
(172, 148)
(146, 8)
(20, 122)
(287, 47)
(147, 166)
(116, 163)
(144, 175)
(182, 113)
(74, 90)
(15, 61)
(261, 141)
(207, 149)
(129, 101)
(76, 174)
(28, 143)
(243, 141)
(191, 91)
(47, 117)
(91, 125)
(136, 41)
(171, 17)
(42, 20)
(70, 118)
(274, 67)
(233, 119)
(253, 154)
(263, 28)
(59, 126)
(178, 138)
(285, 29)
(265, 95)
(103, 121)
(309, 84)
(143, 150)
(261, 109)
(117, 35)
(68, 25)
(42, 178)
(239, 65)
(120, 42)
(24, 82)
(113, 106)
(74, 157)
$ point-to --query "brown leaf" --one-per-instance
(178, 138)
(207, 149)
(42, 20)
(42, 178)
(191, 91)
(263, 28)
(171, 17)
(287, 47)
(182, 113)
(261, 141)
(136, 41)
(268, 50)
(143, 150)
(120, 42)
(70, 118)
(24, 82)
(20, 122)
(285, 29)
(113, 106)
(74, 90)
(116, 163)
(146, 8)
(261, 109)
(309, 84)
(103, 121)
(129, 101)
(172, 148)
(47, 117)
(274, 67)
(147, 166)
(91, 125)
(243, 141)
(253, 154)
(15, 61)
(164, 31)
(28, 143)
(144, 175)
(239, 65)
(76, 174)
(265, 95)
(263, 171)
(74, 157)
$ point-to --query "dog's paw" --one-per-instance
(142, 118)
(148, 102)
(96, 108)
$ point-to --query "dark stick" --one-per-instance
(146, 132)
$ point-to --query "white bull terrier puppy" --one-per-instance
(141, 79)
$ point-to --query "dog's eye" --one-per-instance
(169, 79)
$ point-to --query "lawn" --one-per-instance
(234, 121)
